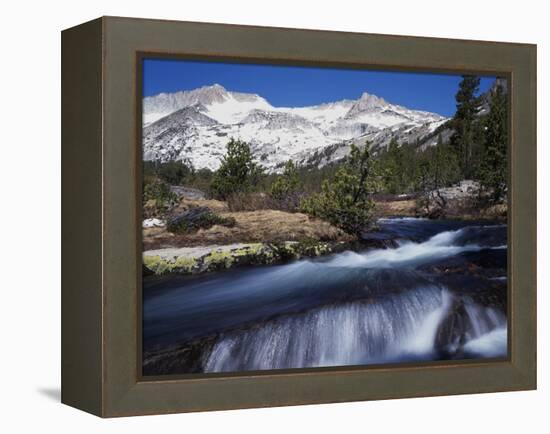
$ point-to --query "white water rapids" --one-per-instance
(352, 308)
(399, 327)
(409, 253)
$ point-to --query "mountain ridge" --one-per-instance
(196, 124)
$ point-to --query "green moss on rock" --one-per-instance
(224, 258)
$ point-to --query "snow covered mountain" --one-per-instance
(196, 125)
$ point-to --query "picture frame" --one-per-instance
(101, 188)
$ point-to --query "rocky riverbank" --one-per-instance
(462, 201)
(259, 237)
(202, 259)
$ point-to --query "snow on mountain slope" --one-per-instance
(323, 113)
(196, 125)
(224, 106)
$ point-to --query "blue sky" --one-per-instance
(289, 86)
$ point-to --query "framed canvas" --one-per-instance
(261, 216)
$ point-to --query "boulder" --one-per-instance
(188, 192)
(452, 331)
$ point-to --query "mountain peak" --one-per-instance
(366, 103)
(215, 86)
(213, 89)
(372, 100)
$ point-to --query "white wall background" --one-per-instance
(30, 215)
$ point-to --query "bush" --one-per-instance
(258, 201)
(197, 218)
(250, 202)
(345, 202)
(157, 198)
(291, 202)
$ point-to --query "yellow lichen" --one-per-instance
(154, 263)
(254, 253)
(248, 250)
(183, 264)
(218, 258)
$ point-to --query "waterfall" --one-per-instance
(399, 327)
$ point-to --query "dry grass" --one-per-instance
(217, 206)
(251, 226)
(396, 208)
(250, 202)
(493, 212)
(258, 201)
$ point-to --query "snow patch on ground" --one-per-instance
(153, 223)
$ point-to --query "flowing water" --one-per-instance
(439, 293)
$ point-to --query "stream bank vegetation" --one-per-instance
(462, 176)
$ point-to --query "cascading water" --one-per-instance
(388, 305)
(347, 334)
(402, 327)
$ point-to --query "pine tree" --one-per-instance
(237, 173)
(437, 168)
(494, 164)
(285, 184)
(464, 122)
(392, 162)
(284, 190)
